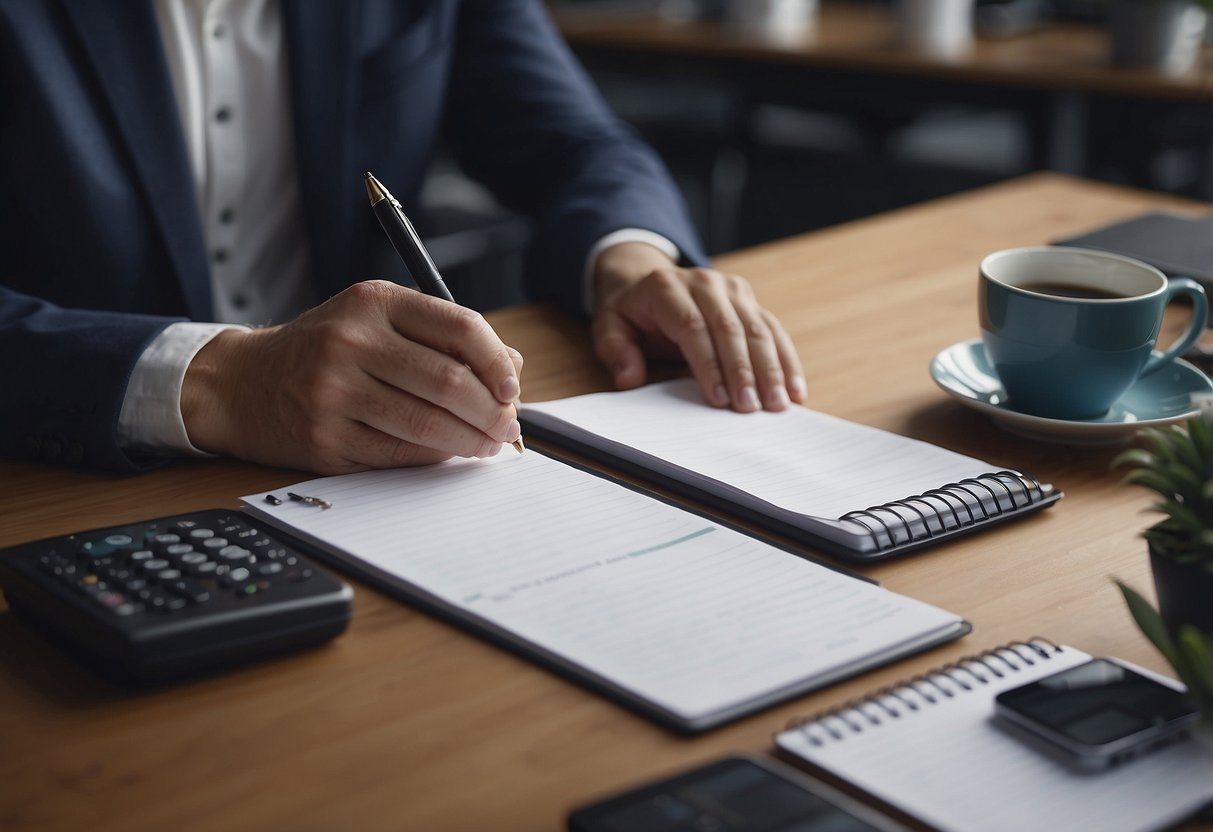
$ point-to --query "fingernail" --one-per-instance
(721, 395)
(510, 389)
(512, 431)
(779, 398)
(747, 399)
(799, 389)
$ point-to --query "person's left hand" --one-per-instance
(646, 306)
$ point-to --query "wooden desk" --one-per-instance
(407, 723)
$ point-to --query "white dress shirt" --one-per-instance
(229, 72)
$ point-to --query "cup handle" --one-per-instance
(1200, 313)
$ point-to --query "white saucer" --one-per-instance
(1165, 396)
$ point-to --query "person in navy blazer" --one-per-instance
(101, 244)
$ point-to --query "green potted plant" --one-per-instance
(1189, 651)
(1177, 465)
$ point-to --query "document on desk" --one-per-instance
(858, 492)
(684, 619)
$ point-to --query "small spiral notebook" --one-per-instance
(857, 492)
(928, 747)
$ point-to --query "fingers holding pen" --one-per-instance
(372, 378)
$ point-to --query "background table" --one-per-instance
(407, 723)
(1055, 85)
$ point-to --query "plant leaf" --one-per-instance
(1153, 480)
(1197, 658)
(1186, 450)
(1137, 457)
(1184, 518)
(1150, 623)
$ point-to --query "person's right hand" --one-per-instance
(378, 376)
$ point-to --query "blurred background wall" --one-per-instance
(763, 150)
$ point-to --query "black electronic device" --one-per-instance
(175, 596)
(1098, 714)
(734, 794)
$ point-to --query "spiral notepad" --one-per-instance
(858, 492)
(928, 746)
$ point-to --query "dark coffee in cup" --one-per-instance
(1072, 290)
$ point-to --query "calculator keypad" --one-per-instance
(169, 566)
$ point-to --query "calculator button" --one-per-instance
(214, 544)
(119, 540)
(167, 539)
(236, 555)
(126, 609)
(141, 555)
(115, 574)
(190, 590)
(268, 569)
(202, 534)
(298, 575)
(236, 576)
(205, 569)
(110, 599)
(154, 565)
(168, 575)
(135, 585)
(96, 549)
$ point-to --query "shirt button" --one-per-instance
(219, 30)
(223, 115)
(226, 216)
(239, 301)
(219, 255)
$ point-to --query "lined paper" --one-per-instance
(799, 459)
(950, 765)
(677, 610)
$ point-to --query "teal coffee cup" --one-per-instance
(1069, 330)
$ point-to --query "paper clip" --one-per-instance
(310, 501)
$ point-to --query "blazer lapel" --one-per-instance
(123, 43)
(319, 43)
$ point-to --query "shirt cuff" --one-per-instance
(623, 235)
(150, 421)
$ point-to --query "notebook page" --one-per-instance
(800, 460)
(688, 613)
(948, 764)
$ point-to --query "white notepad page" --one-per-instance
(799, 459)
(949, 764)
(656, 600)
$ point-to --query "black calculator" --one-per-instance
(175, 596)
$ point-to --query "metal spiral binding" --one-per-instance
(987, 495)
(923, 690)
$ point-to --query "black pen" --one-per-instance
(408, 245)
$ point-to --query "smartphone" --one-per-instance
(733, 794)
(1099, 714)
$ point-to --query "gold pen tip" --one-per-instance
(374, 189)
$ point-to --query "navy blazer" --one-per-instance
(101, 245)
